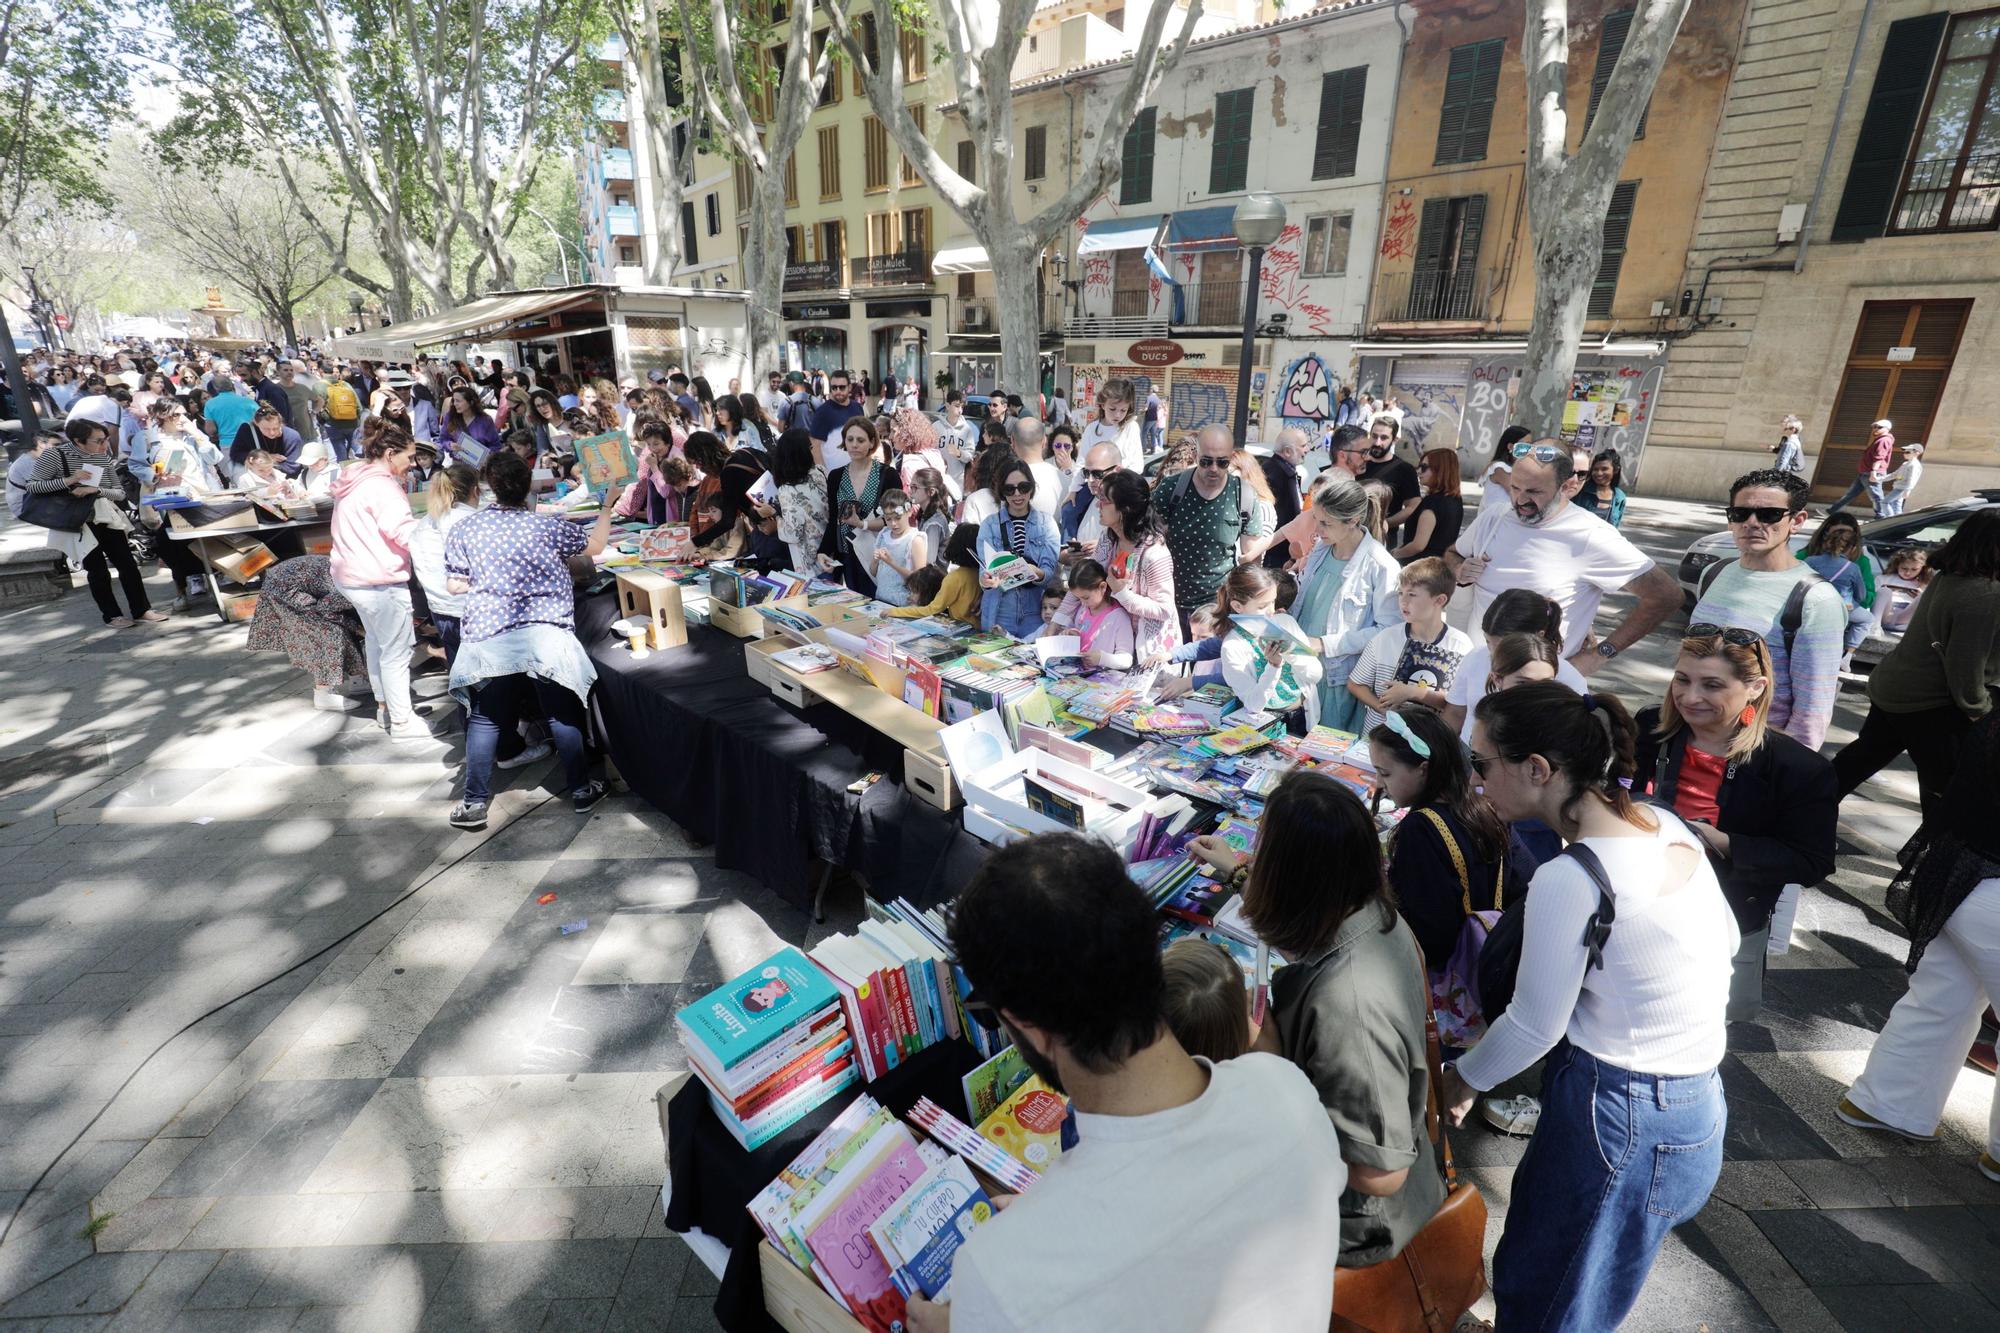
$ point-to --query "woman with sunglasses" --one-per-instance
(1017, 529)
(1623, 983)
(1764, 804)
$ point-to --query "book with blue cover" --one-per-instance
(737, 1019)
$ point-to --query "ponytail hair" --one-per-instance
(1588, 738)
(1524, 611)
(455, 484)
(1345, 498)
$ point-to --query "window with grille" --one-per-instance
(829, 162)
(1617, 228)
(1610, 43)
(1471, 85)
(911, 175)
(1035, 154)
(875, 154)
(715, 215)
(1229, 157)
(1882, 146)
(1952, 179)
(1446, 283)
(1135, 177)
(1338, 145)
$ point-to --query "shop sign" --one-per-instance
(811, 275)
(918, 309)
(824, 311)
(1155, 352)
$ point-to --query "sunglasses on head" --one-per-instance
(1765, 514)
(1541, 453)
(1742, 638)
(1217, 463)
(1018, 488)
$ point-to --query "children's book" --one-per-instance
(605, 461)
(992, 1083)
(1237, 740)
(922, 1230)
(1277, 625)
(1011, 570)
(738, 1018)
(1028, 1125)
(976, 744)
(962, 1139)
(839, 1238)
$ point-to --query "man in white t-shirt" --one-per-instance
(1031, 442)
(1237, 1160)
(1545, 543)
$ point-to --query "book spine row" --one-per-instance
(962, 1139)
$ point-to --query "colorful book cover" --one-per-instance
(738, 1018)
(840, 1240)
(605, 461)
(1028, 1125)
(992, 1083)
(1237, 740)
(930, 1270)
(923, 1229)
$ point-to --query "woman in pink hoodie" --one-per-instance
(372, 523)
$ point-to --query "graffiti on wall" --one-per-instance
(1197, 398)
(1282, 286)
(1085, 381)
(1306, 392)
(1466, 407)
(1097, 275)
(1399, 231)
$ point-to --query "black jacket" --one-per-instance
(1778, 807)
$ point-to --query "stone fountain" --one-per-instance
(220, 340)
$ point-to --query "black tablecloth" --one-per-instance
(714, 1178)
(764, 782)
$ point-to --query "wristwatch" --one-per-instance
(1607, 649)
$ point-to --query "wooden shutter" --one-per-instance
(1135, 176)
(1610, 44)
(1472, 230)
(1229, 161)
(688, 252)
(911, 176)
(1036, 164)
(829, 162)
(875, 154)
(1430, 235)
(714, 214)
(968, 162)
(1617, 229)
(742, 174)
(1902, 80)
(1341, 92)
(792, 180)
(1471, 85)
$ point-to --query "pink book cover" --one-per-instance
(841, 1242)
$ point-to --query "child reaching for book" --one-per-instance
(1414, 662)
(899, 549)
(1103, 627)
(1270, 674)
(1206, 1002)
(260, 476)
(957, 594)
(1909, 571)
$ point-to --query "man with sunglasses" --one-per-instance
(830, 418)
(1211, 520)
(1544, 543)
(1081, 526)
(1244, 1145)
(1769, 591)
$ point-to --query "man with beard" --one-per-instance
(1545, 543)
(1405, 491)
(1063, 948)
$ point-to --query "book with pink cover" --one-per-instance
(840, 1240)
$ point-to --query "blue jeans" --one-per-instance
(496, 709)
(1618, 1160)
(340, 439)
(1863, 482)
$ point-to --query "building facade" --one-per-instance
(1846, 265)
(1454, 279)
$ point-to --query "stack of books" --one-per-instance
(874, 1215)
(733, 585)
(897, 987)
(770, 1046)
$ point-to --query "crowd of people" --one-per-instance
(1579, 883)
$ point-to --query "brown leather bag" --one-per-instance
(1442, 1271)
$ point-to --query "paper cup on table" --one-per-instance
(637, 640)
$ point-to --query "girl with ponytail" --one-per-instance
(1623, 983)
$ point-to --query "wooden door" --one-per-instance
(1906, 392)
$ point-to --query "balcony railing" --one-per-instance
(610, 107)
(618, 164)
(903, 268)
(1436, 296)
(1210, 305)
(814, 275)
(621, 220)
(1942, 197)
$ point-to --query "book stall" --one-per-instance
(237, 537)
(850, 1119)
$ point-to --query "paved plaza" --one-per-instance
(433, 1109)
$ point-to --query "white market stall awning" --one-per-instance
(1108, 234)
(487, 316)
(962, 259)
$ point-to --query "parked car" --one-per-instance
(1932, 525)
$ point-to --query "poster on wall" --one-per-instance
(1609, 407)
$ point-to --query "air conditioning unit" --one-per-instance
(978, 318)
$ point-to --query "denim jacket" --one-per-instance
(549, 652)
(1363, 608)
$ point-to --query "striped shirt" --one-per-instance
(1804, 683)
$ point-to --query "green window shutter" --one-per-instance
(1135, 177)
(1610, 45)
(1469, 235)
(1617, 228)
(1229, 163)
(1902, 81)
(1341, 93)
(1471, 86)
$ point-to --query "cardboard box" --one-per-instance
(238, 607)
(226, 517)
(992, 791)
(244, 559)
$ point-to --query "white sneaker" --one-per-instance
(415, 729)
(1512, 1115)
(533, 754)
(333, 701)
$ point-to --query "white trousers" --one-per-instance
(385, 620)
(1922, 1048)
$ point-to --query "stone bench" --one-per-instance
(31, 575)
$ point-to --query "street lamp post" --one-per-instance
(557, 237)
(1259, 220)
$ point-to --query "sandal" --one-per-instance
(156, 617)
(1517, 1116)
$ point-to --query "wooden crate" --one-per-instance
(794, 1301)
(927, 776)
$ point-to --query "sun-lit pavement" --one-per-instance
(447, 1120)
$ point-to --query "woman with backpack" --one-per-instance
(1623, 983)
(1763, 803)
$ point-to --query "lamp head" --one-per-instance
(1259, 220)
